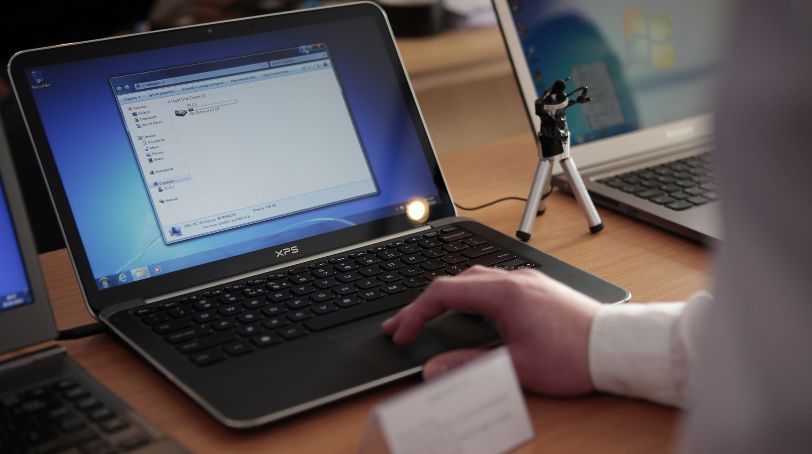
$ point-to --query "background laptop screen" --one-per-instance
(176, 157)
(14, 288)
(646, 62)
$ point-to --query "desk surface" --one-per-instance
(652, 264)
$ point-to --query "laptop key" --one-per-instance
(455, 246)
(292, 332)
(411, 271)
(431, 265)
(415, 282)
(324, 272)
(273, 310)
(275, 322)
(371, 270)
(391, 276)
(322, 296)
(298, 303)
(370, 295)
(238, 348)
(186, 334)
(393, 288)
(206, 342)
(663, 200)
(680, 205)
(303, 289)
(249, 330)
(172, 325)
(367, 283)
(491, 259)
(348, 301)
(456, 269)
(345, 289)
(392, 265)
(348, 277)
(299, 279)
(255, 303)
(324, 308)
(698, 200)
(278, 297)
(208, 357)
(482, 249)
(453, 258)
(264, 340)
(434, 253)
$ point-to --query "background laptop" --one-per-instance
(246, 201)
(642, 143)
(48, 402)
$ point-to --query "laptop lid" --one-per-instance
(25, 312)
(180, 157)
(650, 67)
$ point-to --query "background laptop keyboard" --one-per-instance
(678, 185)
(239, 318)
(63, 416)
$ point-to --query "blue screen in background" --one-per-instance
(106, 188)
(14, 290)
(646, 62)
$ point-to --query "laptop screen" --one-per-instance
(646, 62)
(180, 156)
(14, 287)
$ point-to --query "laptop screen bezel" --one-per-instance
(30, 323)
(238, 265)
(667, 135)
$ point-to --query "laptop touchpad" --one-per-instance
(448, 332)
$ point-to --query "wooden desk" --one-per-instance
(649, 262)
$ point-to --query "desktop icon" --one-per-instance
(104, 283)
(149, 159)
(181, 112)
(122, 278)
(140, 273)
(37, 76)
(156, 269)
(175, 231)
(138, 125)
(135, 114)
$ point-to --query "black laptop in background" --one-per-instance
(48, 402)
(246, 201)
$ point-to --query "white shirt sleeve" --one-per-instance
(647, 350)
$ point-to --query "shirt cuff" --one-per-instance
(630, 349)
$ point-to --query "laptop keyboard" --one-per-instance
(63, 416)
(242, 317)
(678, 185)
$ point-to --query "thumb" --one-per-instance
(444, 362)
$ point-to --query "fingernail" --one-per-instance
(388, 322)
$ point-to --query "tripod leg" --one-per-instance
(581, 195)
(543, 171)
(545, 189)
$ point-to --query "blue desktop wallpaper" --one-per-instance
(13, 279)
(106, 192)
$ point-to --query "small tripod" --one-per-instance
(554, 145)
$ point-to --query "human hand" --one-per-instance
(544, 324)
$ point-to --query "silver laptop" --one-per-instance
(642, 144)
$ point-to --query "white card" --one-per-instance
(475, 409)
